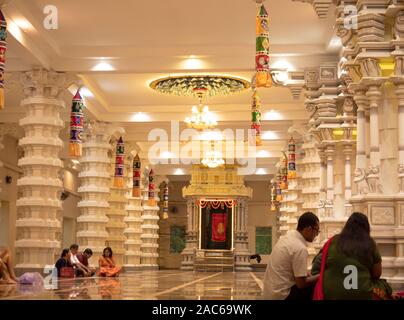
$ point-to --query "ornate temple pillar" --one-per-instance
(329, 205)
(362, 103)
(116, 213)
(241, 252)
(38, 223)
(191, 243)
(374, 94)
(348, 190)
(400, 97)
(150, 229)
(323, 182)
(94, 186)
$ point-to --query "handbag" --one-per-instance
(66, 272)
(318, 289)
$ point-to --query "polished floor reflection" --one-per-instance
(147, 285)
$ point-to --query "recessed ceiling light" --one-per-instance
(263, 154)
(269, 135)
(261, 171)
(179, 172)
(103, 66)
(193, 63)
(272, 115)
(140, 117)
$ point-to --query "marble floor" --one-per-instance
(147, 285)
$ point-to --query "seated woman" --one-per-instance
(64, 266)
(353, 248)
(107, 265)
(7, 275)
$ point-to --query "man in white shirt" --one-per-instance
(286, 276)
(80, 269)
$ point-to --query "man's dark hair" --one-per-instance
(88, 251)
(307, 219)
(74, 246)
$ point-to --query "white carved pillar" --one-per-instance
(374, 94)
(362, 103)
(133, 232)
(38, 223)
(348, 189)
(192, 237)
(330, 152)
(241, 251)
(94, 187)
(400, 96)
(116, 213)
(323, 182)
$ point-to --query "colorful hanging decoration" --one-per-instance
(76, 125)
(263, 75)
(119, 163)
(274, 203)
(3, 49)
(151, 194)
(292, 159)
(256, 118)
(284, 172)
(165, 201)
(215, 204)
(136, 177)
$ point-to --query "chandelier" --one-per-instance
(201, 118)
(213, 158)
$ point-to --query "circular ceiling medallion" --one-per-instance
(197, 85)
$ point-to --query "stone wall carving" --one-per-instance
(382, 215)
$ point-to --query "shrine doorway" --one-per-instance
(216, 225)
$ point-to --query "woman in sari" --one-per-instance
(351, 265)
(107, 265)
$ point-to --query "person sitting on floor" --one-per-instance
(107, 265)
(64, 266)
(80, 269)
(7, 274)
(353, 247)
(286, 276)
(83, 258)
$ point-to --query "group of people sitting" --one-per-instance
(349, 266)
(73, 263)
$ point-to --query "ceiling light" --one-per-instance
(261, 171)
(193, 63)
(179, 172)
(272, 115)
(103, 66)
(283, 64)
(269, 135)
(263, 154)
(140, 117)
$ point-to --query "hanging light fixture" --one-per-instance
(213, 158)
(201, 118)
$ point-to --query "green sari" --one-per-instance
(334, 276)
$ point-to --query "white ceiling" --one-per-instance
(143, 40)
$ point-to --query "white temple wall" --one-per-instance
(260, 215)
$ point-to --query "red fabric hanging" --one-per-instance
(219, 224)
